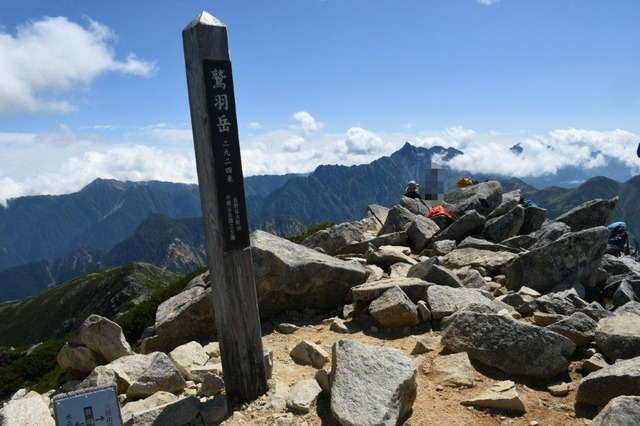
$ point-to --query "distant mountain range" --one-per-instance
(48, 240)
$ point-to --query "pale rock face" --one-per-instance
(102, 336)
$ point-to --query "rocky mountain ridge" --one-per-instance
(69, 235)
(510, 313)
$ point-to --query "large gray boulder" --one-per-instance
(591, 214)
(386, 256)
(416, 206)
(619, 337)
(561, 303)
(31, 409)
(548, 233)
(601, 386)
(334, 238)
(394, 309)
(444, 301)
(470, 223)
(575, 255)
(398, 219)
(139, 376)
(629, 308)
(78, 359)
(482, 244)
(508, 345)
(393, 239)
(577, 327)
(102, 336)
(491, 261)
(509, 201)
(421, 232)
(502, 227)
(179, 412)
(185, 317)
(437, 274)
(289, 276)
(626, 293)
(415, 288)
(188, 357)
(371, 385)
(483, 198)
(534, 217)
(132, 408)
(376, 214)
(622, 410)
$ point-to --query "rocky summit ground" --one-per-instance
(437, 403)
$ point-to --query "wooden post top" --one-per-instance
(206, 38)
(205, 18)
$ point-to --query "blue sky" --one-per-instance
(97, 89)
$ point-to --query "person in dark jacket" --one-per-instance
(412, 190)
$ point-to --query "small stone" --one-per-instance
(286, 328)
(560, 389)
(338, 326)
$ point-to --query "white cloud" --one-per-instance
(62, 161)
(488, 2)
(255, 125)
(360, 141)
(48, 59)
(307, 122)
(543, 154)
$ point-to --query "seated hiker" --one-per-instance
(412, 190)
(618, 238)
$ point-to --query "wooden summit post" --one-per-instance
(217, 147)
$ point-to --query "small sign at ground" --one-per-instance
(88, 407)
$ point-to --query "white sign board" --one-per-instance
(88, 407)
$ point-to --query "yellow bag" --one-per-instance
(464, 182)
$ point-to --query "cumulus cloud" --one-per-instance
(61, 161)
(307, 122)
(47, 59)
(546, 154)
(360, 141)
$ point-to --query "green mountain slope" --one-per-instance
(60, 310)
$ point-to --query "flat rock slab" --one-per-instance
(453, 370)
(492, 261)
(501, 396)
(600, 387)
(303, 396)
(623, 410)
(394, 309)
(444, 301)
(371, 385)
(508, 345)
(619, 337)
(415, 288)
